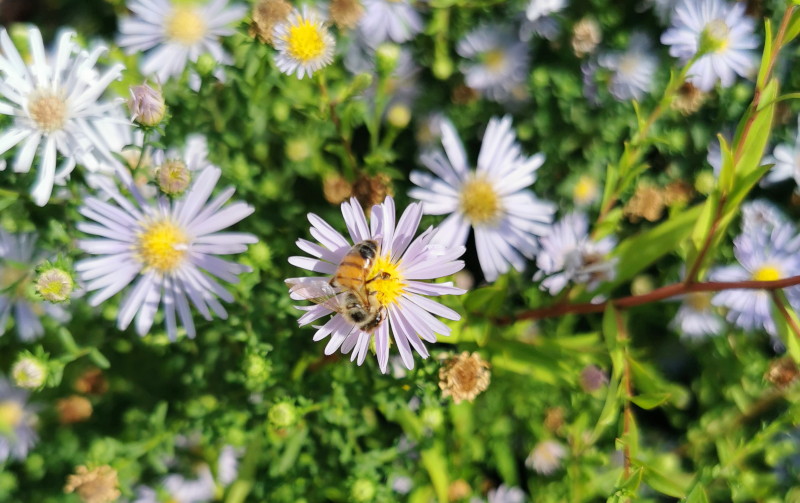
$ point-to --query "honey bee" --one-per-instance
(347, 292)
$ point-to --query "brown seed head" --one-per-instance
(464, 95)
(98, 485)
(464, 377)
(336, 189)
(266, 14)
(678, 193)
(372, 190)
(458, 490)
(92, 382)
(554, 419)
(647, 202)
(73, 409)
(782, 372)
(688, 99)
(586, 35)
(346, 13)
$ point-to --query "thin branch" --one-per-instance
(656, 295)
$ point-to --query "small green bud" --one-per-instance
(54, 284)
(206, 64)
(386, 57)
(432, 418)
(147, 105)
(399, 116)
(642, 284)
(361, 83)
(282, 415)
(705, 182)
(442, 68)
(257, 368)
(297, 150)
(29, 372)
(280, 111)
(173, 177)
(363, 490)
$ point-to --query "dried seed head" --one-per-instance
(336, 189)
(464, 377)
(372, 190)
(678, 193)
(346, 13)
(586, 35)
(554, 419)
(73, 409)
(98, 485)
(92, 382)
(688, 99)
(782, 372)
(546, 457)
(647, 202)
(266, 14)
(458, 490)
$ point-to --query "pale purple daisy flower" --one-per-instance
(173, 33)
(546, 456)
(399, 273)
(54, 103)
(663, 9)
(17, 422)
(293, 40)
(539, 19)
(697, 317)
(201, 489)
(763, 255)
(389, 20)
(497, 62)
(494, 199)
(761, 216)
(18, 261)
(723, 31)
(506, 494)
(786, 160)
(167, 248)
(569, 254)
(632, 71)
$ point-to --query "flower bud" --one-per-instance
(399, 116)
(386, 57)
(54, 285)
(29, 372)
(173, 177)
(147, 105)
(282, 415)
(363, 490)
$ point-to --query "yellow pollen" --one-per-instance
(767, 273)
(479, 201)
(495, 60)
(162, 245)
(717, 35)
(388, 283)
(305, 41)
(48, 110)
(699, 301)
(186, 25)
(628, 64)
(585, 190)
(10, 415)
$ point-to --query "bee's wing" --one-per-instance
(316, 290)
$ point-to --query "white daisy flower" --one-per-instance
(763, 254)
(786, 160)
(761, 216)
(173, 32)
(723, 31)
(539, 19)
(494, 199)
(506, 494)
(398, 279)
(18, 261)
(497, 63)
(176, 487)
(167, 248)
(389, 20)
(632, 71)
(54, 103)
(568, 254)
(546, 456)
(17, 422)
(697, 317)
(662, 8)
(303, 42)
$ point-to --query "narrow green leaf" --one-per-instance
(727, 169)
(650, 400)
(697, 495)
(97, 357)
(673, 484)
(785, 331)
(762, 71)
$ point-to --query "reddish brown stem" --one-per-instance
(665, 292)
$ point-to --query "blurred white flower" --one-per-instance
(539, 19)
(632, 70)
(169, 248)
(697, 317)
(172, 33)
(494, 199)
(389, 20)
(721, 30)
(546, 456)
(17, 421)
(54, 103)
(303, 42)
(496, 63)
(786, 160)
(506, 494)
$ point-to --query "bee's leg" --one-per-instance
(383, 275)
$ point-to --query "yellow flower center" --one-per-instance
(585, 190)
(699, 301)
(767, 273)
(11, 414)
(48, 109)
(186, 25)
(494, 60)
(305, 41)
(715, 36)
(479, 201)
(628, 64)
(162, 246)
(388, 283)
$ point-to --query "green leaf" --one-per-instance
(650, 400)
(650, 383)
(97, 357)
(785, 331)
(697, 495)
(673, 484)
(764, 68)
(488, 300)
(726, 171)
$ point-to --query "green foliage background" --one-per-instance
(708, 425)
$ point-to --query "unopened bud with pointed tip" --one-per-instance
(173, 177)
(147, 105)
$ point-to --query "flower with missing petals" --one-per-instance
(506, 494)
(17, 421)
(172, 33)
(464, 377)
(496, 62)
(697, 317)
(55, 108)
(399, 280)
(168, 249)
(546, 457)
(568, 254)
(494, 199)
(303, 42)
(724, 35)
(98, 485)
